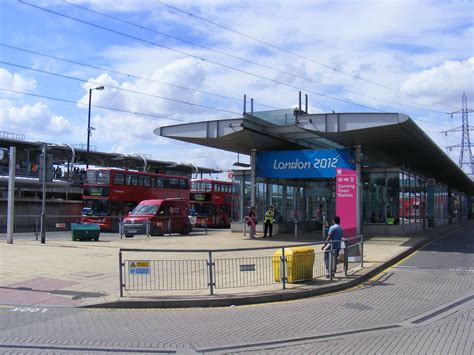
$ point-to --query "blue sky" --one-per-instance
(415, 57)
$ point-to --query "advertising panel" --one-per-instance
(346, 200)
(300, 164)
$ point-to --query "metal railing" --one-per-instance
(227, 270)
(28, 227)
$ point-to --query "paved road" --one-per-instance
(423, 305)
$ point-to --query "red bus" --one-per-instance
(114, 193)
(211, 200)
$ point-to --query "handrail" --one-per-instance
(229, 250)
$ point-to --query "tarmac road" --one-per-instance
(424, 304)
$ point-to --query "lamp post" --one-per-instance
(89, 123)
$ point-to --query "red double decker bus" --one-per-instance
(210, 201)
(110, 193)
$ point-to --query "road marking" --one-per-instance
(29, 309)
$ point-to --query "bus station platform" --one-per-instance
(66, 273)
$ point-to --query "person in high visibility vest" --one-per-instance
(268, 222)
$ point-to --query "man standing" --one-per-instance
(335, 234)
(268, 222)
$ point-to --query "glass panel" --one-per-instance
(91, 176)
(119, 178)
(277, 117)
(103, 177)
(393, 198)
(374, 196)
(145, 209)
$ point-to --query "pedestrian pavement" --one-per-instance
(66, 273)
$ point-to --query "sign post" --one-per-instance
(11, 195)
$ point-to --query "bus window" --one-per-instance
(97, 207)
(119, 179)
(91, 176)
(145, 181)
(103, 177)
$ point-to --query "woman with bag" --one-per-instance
(252, 222)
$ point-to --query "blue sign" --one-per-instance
(300, 164)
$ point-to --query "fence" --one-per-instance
(59, 227)
(231, 270)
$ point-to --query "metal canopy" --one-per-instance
(63, 153)
(241, 135)
(394, 135)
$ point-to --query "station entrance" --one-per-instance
(308, 204)
(306, 188)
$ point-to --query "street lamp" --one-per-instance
(89, 123)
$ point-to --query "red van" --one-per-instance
(162, 216)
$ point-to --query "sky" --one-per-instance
(169, 62)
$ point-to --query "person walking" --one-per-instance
(252, 222)
(268, 222)
(335, 234)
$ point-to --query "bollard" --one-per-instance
(121, 228)
(169, 226)
(361, 250)
(205, 227)
(244, 224)
(296, 228)
(147, 228)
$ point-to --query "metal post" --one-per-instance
(211, 274)
(121, 273)
(11, 195)
(245, 105)
(296, 228)
(88, 130)
(253, 178)
(121, 227)
(282, 268)
(358, 153)
(205, 226)
(251, 106)
(346, 251)
(244, 227)
(331, 257)
(147, 228)
(169, 226)
(43, 200)
(37, 231)
(361, 250)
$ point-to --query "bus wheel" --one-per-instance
(128, 235)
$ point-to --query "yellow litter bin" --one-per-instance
(299, 260)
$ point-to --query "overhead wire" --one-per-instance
(108, 70)
(198, 57)
(245, 59)
(298, 55)
(92, 105)
(118, 88)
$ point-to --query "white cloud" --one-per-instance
(15, 81)
(444, 83)
(33, 120)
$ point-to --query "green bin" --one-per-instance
(85, 232)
